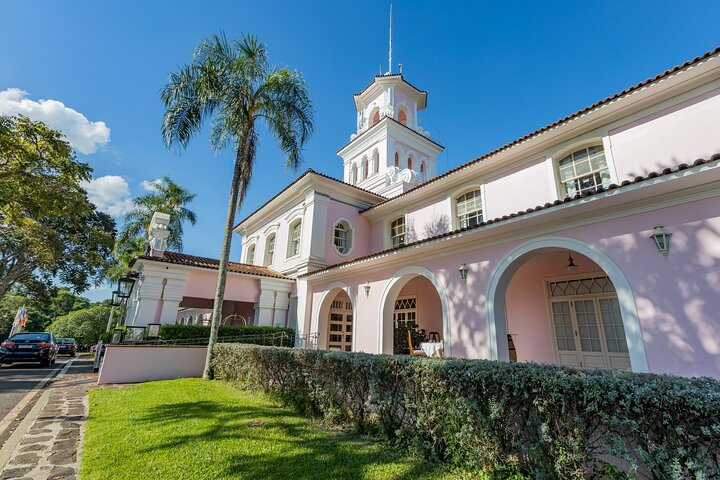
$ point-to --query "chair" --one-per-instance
(415, 353)
(434, 337)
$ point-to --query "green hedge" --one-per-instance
(179, 332)
(504, 419)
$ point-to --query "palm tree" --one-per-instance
(167, 197)
(231, 84)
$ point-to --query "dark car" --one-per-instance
(66, 346)
(29, 347)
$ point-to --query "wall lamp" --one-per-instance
(463, 272)
(367, 289)
(116, 300)
(125, 285)
(571, 263)
(661, 237)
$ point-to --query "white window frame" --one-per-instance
(595, 140)
(404, 234)
(270, 253)
(350, 238)
(250, 248)
(456, 200)
(294, 243)
(452, 198)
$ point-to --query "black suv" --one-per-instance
(66, 346)
(29, 347)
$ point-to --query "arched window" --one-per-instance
(397, 232)
(376, 117)
(269, 250)
(468, 208)
(376, 162)
(422, 171)
(294, 238)
(583, 171)
(342, 237)
(366, 168)
(410, 162)
(353, 174)
(402, 117)
(250, 255)
(397, 159)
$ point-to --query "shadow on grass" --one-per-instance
(288, 446)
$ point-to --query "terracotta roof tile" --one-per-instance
(547, 206)
(557, 123)
(212, 263)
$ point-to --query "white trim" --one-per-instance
(508, 266)
(393, 288)
(351, 239)
(593, 140)
(470, 187)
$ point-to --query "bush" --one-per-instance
(262, 334)
(84, 325)
(501, 418)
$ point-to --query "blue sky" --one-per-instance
(494, 71)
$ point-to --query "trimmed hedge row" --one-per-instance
(505, 419)
(181, 332)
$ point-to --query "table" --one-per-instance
(431, 348)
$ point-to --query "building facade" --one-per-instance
(592, 242)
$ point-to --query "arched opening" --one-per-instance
(397, 159)
(402, 117)
(366, 168)
(415, 302)
(410, 162)
(353, 174)
(376, 116)
(422, 171)
(562, 301)
(376, 162)
(336, 320)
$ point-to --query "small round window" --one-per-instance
(342, 237)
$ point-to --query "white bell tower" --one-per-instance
(389, 153)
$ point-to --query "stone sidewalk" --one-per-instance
(48, 445)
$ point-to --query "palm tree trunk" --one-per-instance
(240, 175)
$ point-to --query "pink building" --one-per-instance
(591, 242)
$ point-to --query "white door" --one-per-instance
(589, 333)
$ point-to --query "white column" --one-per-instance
(315, 232)
(156, 284)
(272, 306)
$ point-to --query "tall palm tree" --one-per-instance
(231, 84)
(166, 197)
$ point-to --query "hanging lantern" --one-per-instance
(661, 237)
(464, 272)
(571, 263)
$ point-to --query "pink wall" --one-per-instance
(135, 363)
(361, 232)
(527, 310)
(674, 135)
(677, 299)
(518, 189)
(429, 219)
(201, 284)
(429, 310)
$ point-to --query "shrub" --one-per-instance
(502, 418)
(85, 325)
(257, 335)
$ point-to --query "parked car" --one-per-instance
(66, 346)
(29, 347)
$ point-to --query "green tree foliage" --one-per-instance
(84, 325)
(230, 84)
(41, 310)
(48, 228)
(168, 197)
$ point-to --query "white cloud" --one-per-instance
(110, 194)
(84, 136)
(150, 185)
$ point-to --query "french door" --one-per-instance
(340, 324)
(589, 332)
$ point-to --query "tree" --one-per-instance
(170, 198)
(84, 325)
(41, 310)
(231, 84)
(49, 230)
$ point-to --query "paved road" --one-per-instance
(18, 379)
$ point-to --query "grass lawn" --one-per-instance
(193, 429)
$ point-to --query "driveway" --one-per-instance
(18, 379)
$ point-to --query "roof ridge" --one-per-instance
(548, 205)
(556, 123)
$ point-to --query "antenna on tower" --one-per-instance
(390, 52)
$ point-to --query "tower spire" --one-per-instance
(390, 52)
